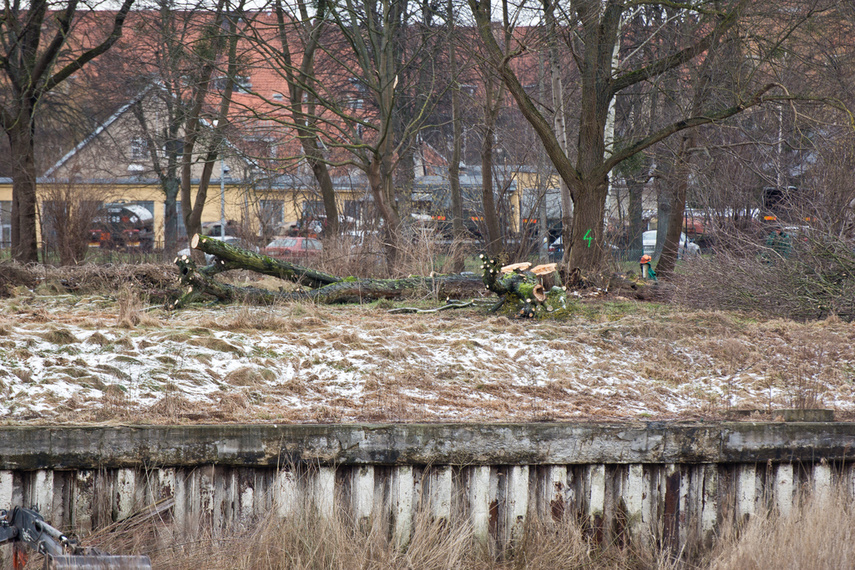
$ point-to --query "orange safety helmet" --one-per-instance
(645, 259)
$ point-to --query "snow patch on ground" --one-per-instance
(68, 359)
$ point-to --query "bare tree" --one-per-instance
(66, 220)
(301, 33)
(36, 57)
(593, 36)
(217, 50)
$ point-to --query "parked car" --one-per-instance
(687, 246)
(231, 240)
(294, 247)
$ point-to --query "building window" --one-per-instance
(313, 209)
(271, 214)
(139, 148)
(243, 83)
(358, 85)
(5, 224)
(353, 209)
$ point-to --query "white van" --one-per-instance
(687, 246)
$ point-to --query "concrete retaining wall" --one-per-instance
(669, 483)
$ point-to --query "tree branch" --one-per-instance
(756, 99)
(91, 54)
(660, 66)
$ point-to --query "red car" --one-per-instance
(291, 247)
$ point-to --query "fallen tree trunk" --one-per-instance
(232, 257)
(350, 290)
(518, 286)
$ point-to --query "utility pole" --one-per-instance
(223, 170)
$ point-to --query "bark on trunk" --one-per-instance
(491, 219)
(494, 94)
(170, 218)
(322, 175)
(587, 235)
(231, 257)
(671, 243)
(25, 247)
(383, 192)
(636, 217)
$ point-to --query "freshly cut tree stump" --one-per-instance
(522, 285)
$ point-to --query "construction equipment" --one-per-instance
(27, 528)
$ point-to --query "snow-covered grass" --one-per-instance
(98, 358)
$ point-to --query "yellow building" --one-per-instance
(114, 165)
(5, 213)
(524, 194)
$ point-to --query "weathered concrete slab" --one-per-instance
(35, 448)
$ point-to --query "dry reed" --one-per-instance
(819, 534)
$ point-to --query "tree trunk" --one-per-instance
(523, 290)
(589, 207)
(458, 264)
(170, 217)
(329, 289)
(668, 261)
(454, 181)
(322, 175)
(491, 218)
(231, 257)
(663, 202)
(25, 247)
(518, 285)
(383, 192)
(636, 217)
(680, 184)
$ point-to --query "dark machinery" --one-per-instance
(27, 528)
(128, 227)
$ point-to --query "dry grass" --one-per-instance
(303, 362)
(813, 282)
(817, 535)
(304, 540)
(348, 256)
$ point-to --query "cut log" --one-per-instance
(524, 285)
(198, 284)
(546, 269)
(524, 289)
(232, 257)
(521, 289)
(516, 267)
